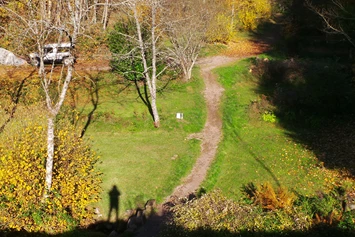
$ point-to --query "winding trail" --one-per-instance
(212, 131)
(210, 137)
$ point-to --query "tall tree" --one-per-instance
(139, 49)
(186, 27)
(40, 22)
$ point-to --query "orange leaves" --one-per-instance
(269, 198)
(245, 47)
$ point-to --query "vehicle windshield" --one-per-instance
(48, 50)
(63, 49)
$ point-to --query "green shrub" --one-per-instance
(269, 117)
(22, 171)
(323, 208)
(348, 221)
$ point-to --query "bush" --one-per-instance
(261, 107)
(269, 199)
(348, 221)
(250, 13)
(214, 212)
(276, 213)
(220, 30)
(22, 171)
(324, 208)
(269, 116)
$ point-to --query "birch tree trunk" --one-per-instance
(53, 111)
(50, 155)
(94, 13)
(105, 14)
(153, 91)
(150, 79)
(190, 67)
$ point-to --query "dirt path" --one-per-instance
(210, 137)
(212, 131)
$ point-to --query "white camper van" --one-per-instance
(54, 53)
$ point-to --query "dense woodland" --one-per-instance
(304, 78)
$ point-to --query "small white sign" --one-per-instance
(179, 115)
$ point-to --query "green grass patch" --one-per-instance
(142, 161)
(213, 49)
(254, 150)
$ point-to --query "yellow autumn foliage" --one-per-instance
(76, 183)
(251, 12)
(220, 30)
(234, 15)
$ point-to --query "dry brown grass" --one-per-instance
(81, 67)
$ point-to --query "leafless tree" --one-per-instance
(336, 16)
(186, 26)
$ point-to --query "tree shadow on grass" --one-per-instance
(15, 94)
(256, 156)
(94, 89)
(144, 95)
(94, 98)
(313, 97)
(315, 102)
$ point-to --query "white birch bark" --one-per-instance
(53, 110)
(150, 79)
(50, 155)
(94, 11)
(153, 88)
(105, 14)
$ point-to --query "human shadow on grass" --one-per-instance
(114, 195)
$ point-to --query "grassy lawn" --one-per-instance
(148, 163)
(259, 151)
(142, 161)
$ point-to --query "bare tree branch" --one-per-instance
(333, 17)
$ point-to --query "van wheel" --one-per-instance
(68, 61)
